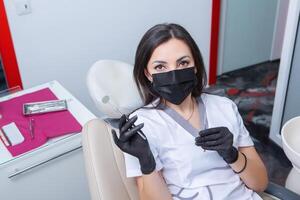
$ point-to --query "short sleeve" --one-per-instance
(132, 163)
(243, 139)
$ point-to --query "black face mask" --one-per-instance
(174, 86)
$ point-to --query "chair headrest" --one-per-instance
(112, 88)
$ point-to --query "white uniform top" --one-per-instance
(190, 172)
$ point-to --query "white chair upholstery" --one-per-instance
(104, 162)
(113, 79)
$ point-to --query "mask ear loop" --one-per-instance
(153, 93)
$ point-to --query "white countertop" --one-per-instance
(79, 111)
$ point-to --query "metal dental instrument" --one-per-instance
(44, 107)
(31, 128)
(106, 99)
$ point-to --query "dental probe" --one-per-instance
(106, 99)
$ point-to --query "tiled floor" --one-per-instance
(253, 90)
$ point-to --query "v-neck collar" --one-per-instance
(184, 123)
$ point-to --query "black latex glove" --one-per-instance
(219, 139)
(132, 143)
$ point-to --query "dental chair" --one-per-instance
(113, 90)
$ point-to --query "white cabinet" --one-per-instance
(60, 179)
(53, 171)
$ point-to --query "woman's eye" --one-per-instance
(184, 63)
(158, 67)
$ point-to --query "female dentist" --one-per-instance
(196, 145)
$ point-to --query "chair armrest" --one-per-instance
(281, 192)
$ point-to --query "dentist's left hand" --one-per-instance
(219, 139)
(132, 143)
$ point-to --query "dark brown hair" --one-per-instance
(155, 36)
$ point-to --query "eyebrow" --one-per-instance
(182, 58)
(164, 62)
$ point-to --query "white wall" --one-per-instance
(61, 39)
(246, 33)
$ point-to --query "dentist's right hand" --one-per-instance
(132, 143)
